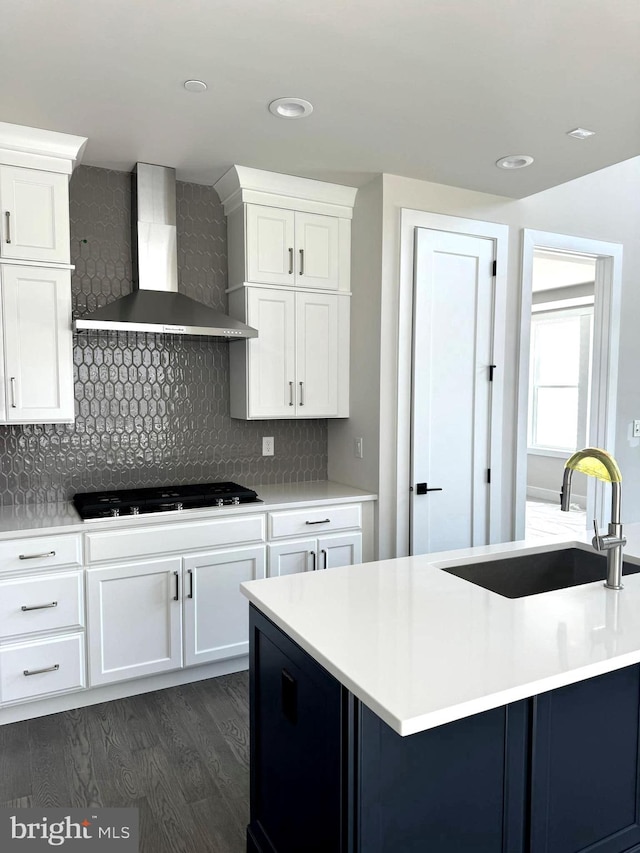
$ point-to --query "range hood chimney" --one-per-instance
(155, 304)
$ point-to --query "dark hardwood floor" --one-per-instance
(181, 756)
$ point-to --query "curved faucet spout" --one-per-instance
(596, 462)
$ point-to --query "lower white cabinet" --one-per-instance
(134, 620)
(317, 554)
(216, 616)
(39, 668)
(137, 612)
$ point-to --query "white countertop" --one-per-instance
(49, 518)
(421, 647)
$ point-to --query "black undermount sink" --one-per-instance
(530, 574)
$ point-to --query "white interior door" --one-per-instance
(451, 411)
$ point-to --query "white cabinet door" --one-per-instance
(317, 251)
(271, 356)
(289, 558)
(35, 215)
(270, 245)
(336, 551)
(36, 305)
(134, 616)
(317, 354)
(216, 614)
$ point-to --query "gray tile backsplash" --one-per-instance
(150, 409)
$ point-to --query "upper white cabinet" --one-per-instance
(286, 247)
(298, 366)
(289, 243)
(38, 357)
(35, 215)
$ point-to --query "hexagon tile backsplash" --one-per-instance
(150, 409)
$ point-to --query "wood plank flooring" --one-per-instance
(181, 756)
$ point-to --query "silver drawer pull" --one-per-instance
(53, 668)
(322, 521)
(24, 608)
(7, 215)
(14, 405)
(37, 556)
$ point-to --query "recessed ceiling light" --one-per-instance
(195, 85)
(290, 108)
(514, 161)
(581, 133)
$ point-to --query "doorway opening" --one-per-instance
(568, 373)
(560, 361)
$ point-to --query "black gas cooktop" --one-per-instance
(126, 502)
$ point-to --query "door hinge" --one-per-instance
(494, 269)
(492, 367)
(488, 475)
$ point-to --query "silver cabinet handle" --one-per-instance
(291, 393)
(176, 597)
(190, 573)
(8, 223)
(324, 558)
(322, 521)
(37, 556)
(301, 261)
(53, 668)
(302, 393)
(13, 392)
(313, 560)
(290, 261)
(24, 607)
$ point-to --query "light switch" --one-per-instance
(636, 429)
(358, 448)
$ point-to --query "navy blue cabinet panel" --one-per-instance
(585, 782)
(458, 787)
(296, 747)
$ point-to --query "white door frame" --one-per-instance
(604, 378)
(410, 220)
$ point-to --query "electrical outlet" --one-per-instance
(267, 445)
(357, 448)
(636, 429)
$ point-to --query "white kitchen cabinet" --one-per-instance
(134, 619)
(337, 540)
(291, 248)
(38, 348)
(298, 366)
(35, 215)
(315, 554)
(216, 616)
(290, 236)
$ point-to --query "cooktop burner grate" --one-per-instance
(126, 502)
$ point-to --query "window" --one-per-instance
(559, 385)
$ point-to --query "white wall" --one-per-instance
(366, 251)
(603, 206)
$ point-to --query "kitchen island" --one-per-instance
(396, 707)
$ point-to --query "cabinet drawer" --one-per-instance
(128, 544)
(40, 603)
(316, 520)
(40, 552)
(51, 666)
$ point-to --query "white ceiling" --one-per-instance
(430, 89)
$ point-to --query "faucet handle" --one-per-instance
(597, 541)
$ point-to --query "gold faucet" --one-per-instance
(598, 463)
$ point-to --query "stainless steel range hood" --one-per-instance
(155, 304)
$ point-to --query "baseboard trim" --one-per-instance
(553, 496)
